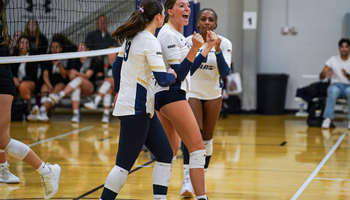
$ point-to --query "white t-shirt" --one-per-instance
(175, 50)
(337, 64)
(205, 82)
(141, 57)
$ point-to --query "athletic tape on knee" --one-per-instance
(116, 179)
(76, 95)
(107, 99)
(208, 147)
(161, 174)
(17, 149)
(105, 87)
(75, 82)
(44, 99)
(197, 159)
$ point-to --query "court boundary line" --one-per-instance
(61, 136)
(101, 186)
(318, 168)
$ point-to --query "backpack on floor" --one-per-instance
(316, 110)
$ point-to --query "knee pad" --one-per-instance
(107, 99)
(208, 147)
(76, 95)
(44, 99)
(116, 179)
(17, 149)
(197, 159)
(161, 174)
(75, 82)
(105, 87)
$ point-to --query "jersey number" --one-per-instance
(126, 51)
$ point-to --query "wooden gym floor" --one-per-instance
(255, 157)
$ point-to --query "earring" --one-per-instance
(197, 25)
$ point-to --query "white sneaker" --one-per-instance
(186, 190)
(55, 98)
(50, 181)
(75, 118)
(34, 113)
(90, 105)
(326, 123)
(42, 117)
(105, 119)
(6, 176)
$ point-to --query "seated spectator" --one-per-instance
(14, 42)
(82, 75)
(66, 44)
(337, 69)
(106, 89)
(55, 78)
(37, 40)
(100, 38)
(25, 74)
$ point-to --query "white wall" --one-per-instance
(229, 25)
(320, 26)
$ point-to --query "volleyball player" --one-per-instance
(173, 109)
(205, 96)
(55, 78)
(50, 174)
(82, 73)
(106, 89)
(138, 66)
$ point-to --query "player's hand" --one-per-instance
(217, 45)
(211, 38)
(197, 40)
(171, 71)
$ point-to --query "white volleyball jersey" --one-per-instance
(175, 50)
(205, 82)
(141, 56)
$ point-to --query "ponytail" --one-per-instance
(138, 20)
(131, 27)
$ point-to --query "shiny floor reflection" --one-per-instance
(255, 157)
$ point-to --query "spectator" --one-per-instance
(106, 89)
(55, 78)
(25, 74)
(100, 38)
(66, 44)
(82, 76)
(337, 69)
(14, 42)
(37, 40)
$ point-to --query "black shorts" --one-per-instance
(7, 85)
(55, 82)
(168, 96)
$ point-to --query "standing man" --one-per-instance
(338, 70)
(100, 38)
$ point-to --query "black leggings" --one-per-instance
(137, 130)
